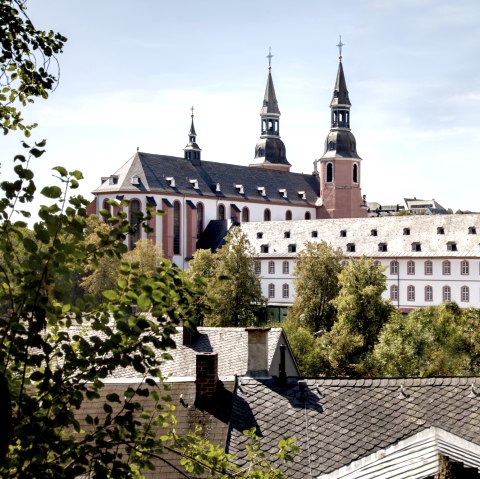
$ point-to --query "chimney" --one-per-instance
(189, 335)
(257, 352)
(207, 375)
(282, 373)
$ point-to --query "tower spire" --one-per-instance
(192, 150)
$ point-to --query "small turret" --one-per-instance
(192, 150)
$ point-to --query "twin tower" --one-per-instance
(339, 167)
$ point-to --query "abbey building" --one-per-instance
(202, 199)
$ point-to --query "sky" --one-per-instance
(131, 71)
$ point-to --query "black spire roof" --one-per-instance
(270, 103)
(340, 93)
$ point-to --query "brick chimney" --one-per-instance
(257, 352)
(207, 375)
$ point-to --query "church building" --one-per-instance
(203, 199)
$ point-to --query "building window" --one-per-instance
(200, 211)
(377, 263)
(451, 246)
(286, 234)
(271, 290)
(447, 293)
(411, 293)
(394, 292)
(406, 231)
(373, 232)
(271, 267)
(411, 267)
(465, 267)
(264, 248)
(106, 206)
(221, 212)
(446, 267)
(267, 216)
(472, 230)
(288, 215)
(351, 247)
(343, 233)
(440, 230)
(393, 267)
(286, 267)
(382, 247)
(285, 290)
(416, 247)
(135, 213)
(292, 248)
(465, 294)
(355, 173)
(258, 267)
(259, 235)
(176, 227)
(245, 215)
(308, 216)
(329, 172)
(428, 267)
(428, 294)
(314, 234)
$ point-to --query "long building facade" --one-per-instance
(202, 199)
(427, 259)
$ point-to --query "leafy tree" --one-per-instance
(435, 341)
(232, 290)
(317, 269)
(27, 55)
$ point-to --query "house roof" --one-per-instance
(153, 171)
(432, 232)
(339, 421)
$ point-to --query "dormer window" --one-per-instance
(113, 179)
(171, 181)
(286, 234)
(292, 248)
(382, 247)
(135, 180)
(472, 230)
(240, 189)
(302, 195)
(314, 234)
(194, 184)
(451, 246)
(259, 235)
(373, 232)
(351, 247)
(440, 230)
(283, 192)
(261, 190)
(343, 233)
(416, 246)
(264, 248)
(217, 187)
(406, 231)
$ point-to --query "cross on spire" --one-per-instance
(269, 56)
(340, 45)
(192, 111)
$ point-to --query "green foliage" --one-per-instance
(232, 291)
(26, 58)
(317, 269)
(435, 341)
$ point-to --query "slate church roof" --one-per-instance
(338, 422)
(153, 171)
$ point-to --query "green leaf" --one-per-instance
(110, 294)
(144, 302)
(30, 245)
(51, 192)
(61, 170)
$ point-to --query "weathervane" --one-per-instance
(269, 56)
(340, 45)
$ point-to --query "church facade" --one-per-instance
(202, 199)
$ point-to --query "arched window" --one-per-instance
(134, 212)
(285, 290)
(428, 267)
(271, 267)
(394, 292)
(258, 267)
(411, 267)
(271, 290)
(267, 216)
(355, 173)
(447, 293)
(393, 267)
(446, 267)
(245, 215)
(106, 206)
(428, 293)
(288, 215)
(329, 172)
(465, 294)
(176, 227)
(411, 293)
(286, 267)
(200, 212)
(221, 212)
(465, 267)
(308, 216)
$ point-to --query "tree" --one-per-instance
(435, 341)
(26, 58)
(317, 269)
(232, 290)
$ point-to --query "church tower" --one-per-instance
(340, 194)
(192, 150)
(270, 150)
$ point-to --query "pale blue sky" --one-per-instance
(131, 71)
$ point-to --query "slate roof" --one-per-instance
(337, 421)
(154, 169)
(389, 230)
